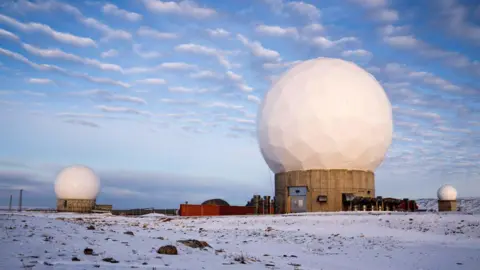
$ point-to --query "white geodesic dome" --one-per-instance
(325, 113)
(447, 193)
(77, 182)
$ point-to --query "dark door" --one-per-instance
(298, 204)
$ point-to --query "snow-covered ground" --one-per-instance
(466, 205)
(308, 241)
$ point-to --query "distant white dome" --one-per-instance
(325, 114)
(77, 182)
(447, 193)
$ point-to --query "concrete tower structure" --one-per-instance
(77, 188)
(447, 198)
(323, 128)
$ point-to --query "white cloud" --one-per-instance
(137, 49)
(313, 28)
(305, 9)
(407, 41)
(44, 67)
(114, 10)
(277, 31)
(386, 15)
(402, 71)
(66, 38)
(358, 52)
(254, 99)
(298, 7)
(223, 105)
(111, 109)
(177, 66)
(326, 43)
(244, 87)
(180, 89)
(205, 74)
(123, 192)
(218, 32)
(416, 113)
(110, 96)
(178, 102)
(389, 29)
(238, 81)
(234, 77)
(379, 10)
(55, 6)
(184, 8)
(371, 3)
(410, 42)
(146, 31)
(56, 53)
(59, 54)
(154, 81)
(456, 16)
(7, 34)
(278, 65)
(79, 115)
(258, 50)
(109, 53)
(199, 49)
(171, 66)
(81, 123)
(32, 93)
(39, 81)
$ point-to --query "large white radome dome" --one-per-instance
(325, 114)
(447, 193)
(77, 182)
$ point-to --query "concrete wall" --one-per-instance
(330, 183)
(446, 206)
(75, 205)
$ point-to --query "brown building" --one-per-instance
(320, 190)
(447, 206)
(75, 205)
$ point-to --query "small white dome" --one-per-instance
(447, 193)
(77, 182)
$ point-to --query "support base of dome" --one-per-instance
(447, 206)
(320, 190)
(75, 205)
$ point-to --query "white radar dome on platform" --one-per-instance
(325, 114)
(447, 193)
(77, 182)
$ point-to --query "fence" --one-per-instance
(214, 210)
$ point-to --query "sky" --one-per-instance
(160, 98)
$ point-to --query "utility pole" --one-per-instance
(10, 204)
(20, 201)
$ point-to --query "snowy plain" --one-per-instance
(361, 240)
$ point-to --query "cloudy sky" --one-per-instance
(160, 97)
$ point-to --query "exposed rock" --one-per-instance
(168, 250)
(90, 228)
(129, 233)
(194, 243)
(75, 259)
(88, 251)
(110, 260)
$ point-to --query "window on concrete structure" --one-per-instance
(65, 204)
(322, 198)
(368, 192)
